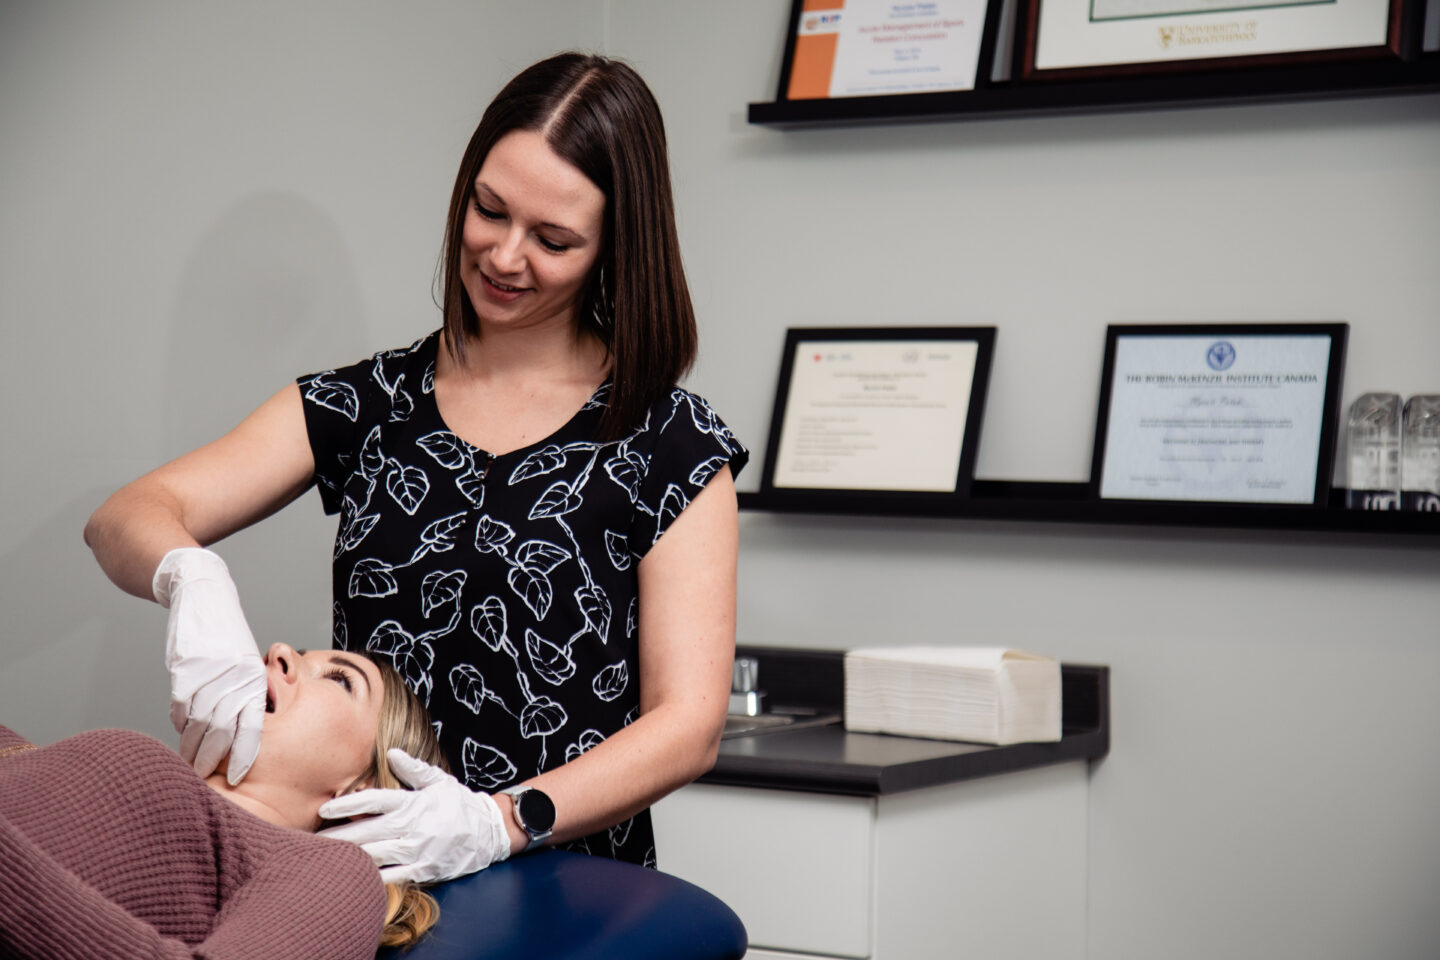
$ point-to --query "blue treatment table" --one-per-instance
(568, 906)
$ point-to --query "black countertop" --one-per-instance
(829, 759)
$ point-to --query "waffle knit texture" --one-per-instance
(112, 847)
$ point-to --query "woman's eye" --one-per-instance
(552, 246)
(340, 677)
(487, 214)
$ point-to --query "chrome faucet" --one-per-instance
(745, 700)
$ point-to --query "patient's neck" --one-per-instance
(272, 804)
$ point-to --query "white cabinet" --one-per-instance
(986, 868)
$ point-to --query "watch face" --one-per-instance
(537, 811)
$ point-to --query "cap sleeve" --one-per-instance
(690, 444)
(337, 404)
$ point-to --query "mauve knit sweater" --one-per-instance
(111, 846)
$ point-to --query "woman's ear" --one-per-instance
(362, 782)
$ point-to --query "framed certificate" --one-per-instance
(1065, 38)
(892, 410)
(868, 48)
(1219, 413)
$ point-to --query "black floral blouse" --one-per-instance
(502, 588)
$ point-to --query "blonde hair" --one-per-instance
(404, 723)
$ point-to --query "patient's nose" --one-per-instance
(284, 656)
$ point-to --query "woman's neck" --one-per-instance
(556, 352)
(271, 805)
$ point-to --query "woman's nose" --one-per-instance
(283, 656)
(505, 256)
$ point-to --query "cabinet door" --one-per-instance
(795, 867)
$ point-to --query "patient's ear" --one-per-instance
(362, 782)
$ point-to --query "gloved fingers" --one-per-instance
(191, 734)
(213, 747)
(366, 831)
(416, 773)
(247, 739)
(363, 803)
(410, 872)
(391, 853)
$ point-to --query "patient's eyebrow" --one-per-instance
(346, 661)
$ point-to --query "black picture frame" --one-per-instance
(1330, 413)
(984, 340)
(1402, 39)
(984, 66)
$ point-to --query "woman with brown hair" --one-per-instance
(537, 524)
(112, 846)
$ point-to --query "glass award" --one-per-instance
(1372, 434)
(1420, 454)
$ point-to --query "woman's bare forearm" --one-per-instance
(133, 530)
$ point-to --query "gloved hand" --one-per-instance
(217, 678)
(438, 831)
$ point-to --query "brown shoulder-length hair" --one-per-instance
(598, 115)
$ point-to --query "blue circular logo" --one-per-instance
(1220, 356)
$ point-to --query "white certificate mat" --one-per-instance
(1223, 417)
(1083, 33)
(863, 48)
(875, 415)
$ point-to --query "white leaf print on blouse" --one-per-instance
(553, 664)
(411, 657)
(446, 449)
(439, 537)
(372, 460)
(469, 688)
(612, 681)
(529, 574)
(407, 486)
(541, 717)
(701, 475)
(620, 833)
(492, 535)
(484, 767)
(617, 545)
(547, 459)
(440, 588)
(372, 578)
(588, 739)
(627, 468)
(557, 500)
(595, 606)
(487, 620)
(337, 396)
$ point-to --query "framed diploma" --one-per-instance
(1065, 38)
(888, 410)
(868, 48)
(1219, 413)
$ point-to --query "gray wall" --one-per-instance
(200, 202)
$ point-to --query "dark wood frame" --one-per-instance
(1027, 35)
(1330, 412)
(986, 58)
(982, 337)
(1417, 72)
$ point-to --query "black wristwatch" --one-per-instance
(534, 811)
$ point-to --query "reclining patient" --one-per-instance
(112, 846)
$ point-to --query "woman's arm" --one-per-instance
(205, 495)
(687, 649)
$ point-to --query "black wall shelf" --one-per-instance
(1115, 94)
(1071, 503)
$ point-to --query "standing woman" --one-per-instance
(537, 526)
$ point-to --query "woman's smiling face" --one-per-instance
(532, 233)
(322, 714)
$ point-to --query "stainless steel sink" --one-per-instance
(778, 721)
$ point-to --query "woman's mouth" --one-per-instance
(502, 291)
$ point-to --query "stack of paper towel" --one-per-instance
(981, 694)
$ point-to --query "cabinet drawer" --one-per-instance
(795, 867)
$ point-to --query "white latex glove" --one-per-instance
(438, 831)
(217, 678)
